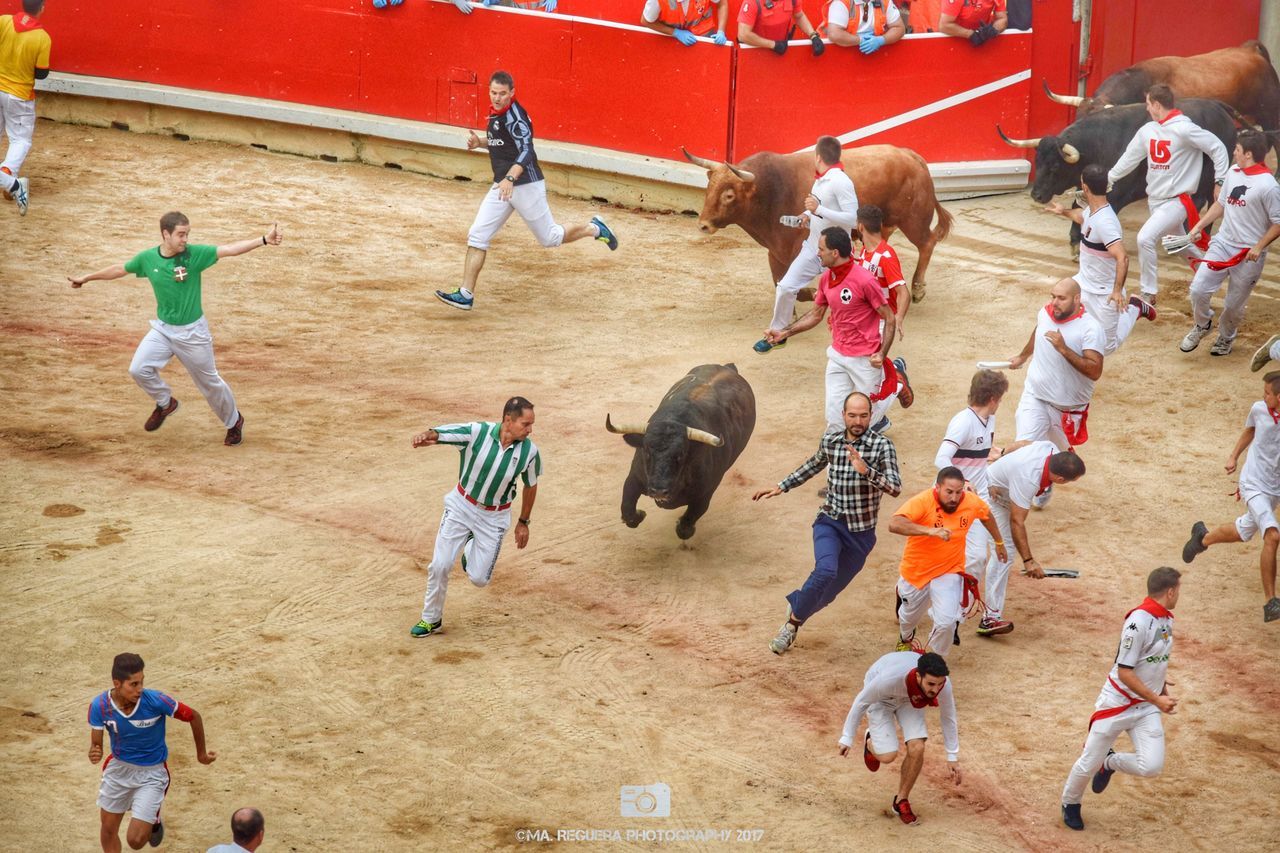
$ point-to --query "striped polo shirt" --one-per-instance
(486, 471)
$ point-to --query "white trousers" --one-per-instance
(1259, 515)
(1167, 216)
(846, 374)
(193, 346)
(941, 598)
(1142, 722)
(1036, 420)
(803, 270)
(462, 518)
(997, 579)
(1116, 325)
(18, 117)
(979, 550)
(133, 788)
(1243, 278)
(530, 201)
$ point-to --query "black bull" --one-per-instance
(689, 442)
(1101, 138)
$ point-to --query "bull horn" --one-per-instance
(698, 161)
(1069, 100)
(1018, 143)
(1070, 153)
(624, 430)
(741, 173)
(704, 437)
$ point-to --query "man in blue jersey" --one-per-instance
(518, 186)
(135, 776)
(477, 512)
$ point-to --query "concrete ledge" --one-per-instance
(433, 149)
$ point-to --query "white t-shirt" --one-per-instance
(886, 685)
(837, 205)
(1099, 230)
(1250, 206)
(967, 445)
(838, 14)
(1145, 644)
(1051, 377)
(1172, 150)
(1018, 475)
(1261, 470)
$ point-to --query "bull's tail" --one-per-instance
(943, 229)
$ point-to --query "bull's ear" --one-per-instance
(634, 439)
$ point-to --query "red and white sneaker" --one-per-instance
(904, 812)
(992, 627)
(1145, 309)
(868, 757)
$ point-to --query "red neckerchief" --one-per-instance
(24, 22)
(493, 112)
(1048, 309)
(1171, 114)
(1257, 169)
(839, 273)
(916, 693)
(1275, 416)
(1045, 481)
(818, 174)
(1153, 607)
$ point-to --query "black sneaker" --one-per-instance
(1195, 545)
(1071, 816)
(157, 834)
(1102, 778)
(1271, 610)
(235, 435)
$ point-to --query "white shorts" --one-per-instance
(530, 201)
(884, 734)
(1261, 514)
(132, 788)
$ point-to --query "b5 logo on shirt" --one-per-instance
(846, 296)
(1160, 152)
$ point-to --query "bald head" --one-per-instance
(1065, 299)
(247, 827)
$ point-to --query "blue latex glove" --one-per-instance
(870, 44)
(685, 37)
(549, 5)
(719, 38)
(488, 2)
(379, 4)
(463, 6)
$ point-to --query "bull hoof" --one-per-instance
(685, 529)
(918, 291)
(633, 523)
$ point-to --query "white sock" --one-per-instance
(465, 292)
(595, 229)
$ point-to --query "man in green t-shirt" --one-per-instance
(180, 328)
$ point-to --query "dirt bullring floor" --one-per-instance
(272, 586)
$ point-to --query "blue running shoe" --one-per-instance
(762, 346)
(455, 299)
(606, 236)
(1103, 777)
(424, 628)
(882, 425)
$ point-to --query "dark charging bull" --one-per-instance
(1241, 77)
(765, 186)
(1101, 137)
(688, 444)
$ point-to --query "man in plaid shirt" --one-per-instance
(863, 465)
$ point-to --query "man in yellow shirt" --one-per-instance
(935, 523)
(24, 58)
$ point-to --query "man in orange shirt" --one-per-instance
(935, 523)
(979, 21)
(24, 58)
(685, 20)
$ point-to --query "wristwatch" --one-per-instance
(509, 178)
(523, 521)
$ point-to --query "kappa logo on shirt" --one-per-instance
(846, 296)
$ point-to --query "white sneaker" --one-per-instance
(786, 636)
(1195, 336)
(1221, 346)
(1263, 355)
(21, 197)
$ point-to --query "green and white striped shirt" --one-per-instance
(486, 472)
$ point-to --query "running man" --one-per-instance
(969, 445)
(135, 776)
(518, 186)
(1025, 471)
(24, 59)
(477, 512)
(181, 329)
(1132, 699)
(1259, 489)
(863, 466)
(895, 693)
(937, 523)
(1104, 264)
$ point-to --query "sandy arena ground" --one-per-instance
(272, 586)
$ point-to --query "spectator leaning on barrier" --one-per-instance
(875, 24)
(979, 21)
(770, 23)
(922, 15)
(687, 19)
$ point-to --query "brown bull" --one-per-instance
(1241, 77)
(765, 186)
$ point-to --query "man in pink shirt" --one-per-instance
(855, 359)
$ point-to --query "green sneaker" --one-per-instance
(423, 628)
(466, 548)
